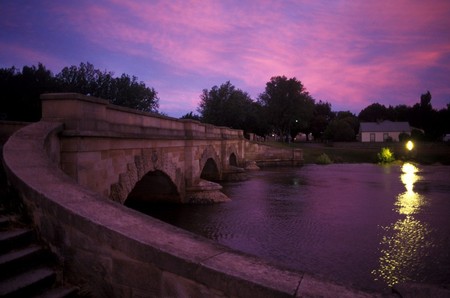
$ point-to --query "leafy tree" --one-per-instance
(192, 116)
(339, 130)
(424, 117)
(444, 119)
(20, 91)
(322, 116)
(403, 136)
(289, 107)
(351, 119)
(226, 106)
(373, 113)
(256, 120)
(9, 86)
(124, 91)
(417, 135)
(128, 92)
(85, 79)
(399, 113)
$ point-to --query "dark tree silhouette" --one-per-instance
(373, 113)
(123, 91)
(21, 90)
(226, 106)
(289, 107)
(322, 116)
(192, 116)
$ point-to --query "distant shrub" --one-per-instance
(385, 156)
(403, 137)
(417, 135)
(323, 159)
(338, 159)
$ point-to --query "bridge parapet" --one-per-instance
(90, 114)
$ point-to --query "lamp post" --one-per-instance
(289, 130)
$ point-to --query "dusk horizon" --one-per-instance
(350, 55)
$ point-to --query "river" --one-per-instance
(365, 225)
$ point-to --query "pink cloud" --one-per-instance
(345, 52)
(28, 56)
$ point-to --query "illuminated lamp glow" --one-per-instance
(409, 145)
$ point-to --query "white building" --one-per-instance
(382, 131)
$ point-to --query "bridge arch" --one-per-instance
(153, 167)
(232, 160)
(155, 186)
(210, 171)
(210, 166)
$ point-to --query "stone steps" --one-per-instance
(26, 268)
(27, 283)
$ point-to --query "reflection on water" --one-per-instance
(406, 242)
(409, 202)
(326, 220)
(402, 249)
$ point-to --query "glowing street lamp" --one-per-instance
(409, 145)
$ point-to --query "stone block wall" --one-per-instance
(100, 143)
(112, 251)
(7, 128)
(265, 155)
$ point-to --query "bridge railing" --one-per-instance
(95, 115)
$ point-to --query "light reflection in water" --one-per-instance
(409, 202)
(405, 242)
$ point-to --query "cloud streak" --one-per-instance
(350, 54)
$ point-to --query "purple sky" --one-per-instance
(349, 53)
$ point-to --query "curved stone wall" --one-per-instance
(112, 251)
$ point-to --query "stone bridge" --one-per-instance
(83, 151)
(134, 157)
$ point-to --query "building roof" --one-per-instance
(385, 126)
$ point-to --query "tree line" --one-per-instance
(21, 89)
(284, 108)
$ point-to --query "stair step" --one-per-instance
(16, 238)
(4, 221)
(59, 293)
(8, 221)
(14, 261)
(28, 283)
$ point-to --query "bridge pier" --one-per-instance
(234, 174)
(205, 192)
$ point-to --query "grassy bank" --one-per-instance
(355, 152)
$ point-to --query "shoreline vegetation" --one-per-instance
(427, 153)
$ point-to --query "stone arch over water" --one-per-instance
(233, 160)
(210, 171)
(154, 166)
(210, 166)
(232, 156)
(155, 186)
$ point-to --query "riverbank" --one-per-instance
(355, 152)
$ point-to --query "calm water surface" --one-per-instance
(366, 225)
